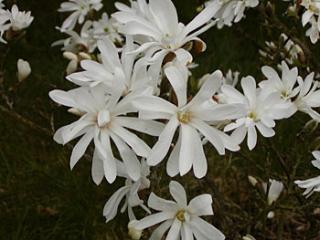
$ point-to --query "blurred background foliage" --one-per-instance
(40, 198)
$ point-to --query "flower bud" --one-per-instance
(134, 233)
(24, 69)
(253, 181)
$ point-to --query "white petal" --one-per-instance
(201, 205)
(186, 155)
(252, 137)
(174, 231)
(153, 220)
(145, 126)
(179, 81)
(161, 204)
(160, 231)
(178, 193)
(161, 148)
(97, 171)
(206, 229)
(80, 148)
(249, 89)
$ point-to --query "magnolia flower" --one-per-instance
(107, 27)
(1, 4)
(231, 10)
(24, 69)
(273, 191)
(309, 96)
(79, 9)
(192, 120)
(311, 16)
(284, 86)
(114, 71)
(157, 21)
(83, 42)
(259, 111)
(102, 119)
(129, 192)
(182, 218)
(313, 184)
(4, 24)
(19, 20)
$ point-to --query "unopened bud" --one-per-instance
(24, 69)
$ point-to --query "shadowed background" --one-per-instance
(40, 198)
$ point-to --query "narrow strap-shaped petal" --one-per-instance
(178, 193)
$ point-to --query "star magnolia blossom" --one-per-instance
(103, 117)
(182, 218)
(231, 10)
(113, 71)
(284, 86)
(311, 16)
(129, 192)
(79, 42)
(192, 120)
(4, 24)
(313, 184)
(19, 20)
(309, 96)
(79, 9)
(157, 21)
(260, 111)
(106, 27)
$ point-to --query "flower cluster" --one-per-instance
(12, 22)
(133, 82)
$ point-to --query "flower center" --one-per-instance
(180, 215)
(103, 118)
(252, 115)
(184, 117)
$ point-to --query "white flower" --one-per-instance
(4, 24)
(129, 192)
(284, 86)
(24, 69)
(309, 96)
(79, 9)
(260, 111)
(102, 119)
(1, 4)
(106, 27)
(192, 120)
(83, 42)
(19, 20)
(273, 191)
(162, 33)
(115, 71)
(311, 16)
(313, 31)
(182, 218)
(231, 10)
(313, 184)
